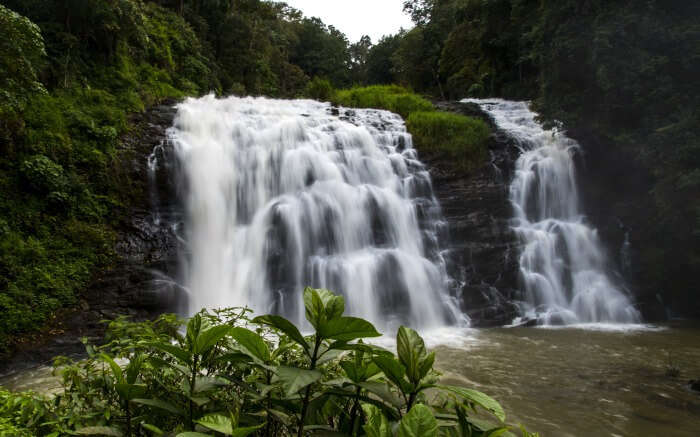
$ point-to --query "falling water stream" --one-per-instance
(281, 194)
(563, 265)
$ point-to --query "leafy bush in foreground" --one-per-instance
(226, 374)
(457, 137)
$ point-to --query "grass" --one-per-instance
(390, 97)
(452, 136)
(455, 137)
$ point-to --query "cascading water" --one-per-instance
(562, 264)
(281, 194)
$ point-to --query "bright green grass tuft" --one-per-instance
(390, 97)
(452, 136)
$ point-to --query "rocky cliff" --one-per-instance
(484, 249)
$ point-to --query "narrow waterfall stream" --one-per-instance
(281, 194)
(563, 265)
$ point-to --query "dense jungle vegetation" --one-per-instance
(71, 72)
(228, 374)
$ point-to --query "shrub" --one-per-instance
(390, 97)
(229, 374)
(319, 89)
(452, 136)
(44, 175)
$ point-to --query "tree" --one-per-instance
(359, 53)
(21, 56)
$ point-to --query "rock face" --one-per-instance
(484, 249)
(147, 249)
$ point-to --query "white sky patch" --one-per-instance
(357, 17)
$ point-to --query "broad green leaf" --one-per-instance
(223, 424)
(130, 391)
(199, 400)
(314, 308)
(335, 306)
(206, 383)
(294, 379)
(382, 391)
(194, 326)
(411, 351)
(134, 368)
(352, 371)
(252, 343)
(366, 348)
(208, 338)
(217, 422)
(478, 398)
(347, 329)
(193, 434)
(184, 356)
(496, 432)
(358, 372)
(425, 365)
(154, 429)
(116, 369)
(160, 404)
(245, 431)
(419, 422)
(377, 424)
(283, 325)
(281, 416)
(99, 430)
(329, 355)
(392, 369)
(159, 363)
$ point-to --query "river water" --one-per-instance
(584, 382)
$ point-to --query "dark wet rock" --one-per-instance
(694, 385)
(483, 246)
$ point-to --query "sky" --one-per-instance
(357, 17)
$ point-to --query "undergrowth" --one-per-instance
(225, 373)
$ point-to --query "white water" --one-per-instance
(562, 264)
(281, 194)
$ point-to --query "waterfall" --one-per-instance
(283, 194)
(562, 264)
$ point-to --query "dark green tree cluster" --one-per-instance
(621, 74)
(71, 72)
(225, 374)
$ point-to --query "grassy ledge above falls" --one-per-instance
(454, 137)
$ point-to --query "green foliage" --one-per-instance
(380, 67)
(21, 55)
(319, 89)
(460, 139)
(390, 97)
(226, 374)
(452, 136)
